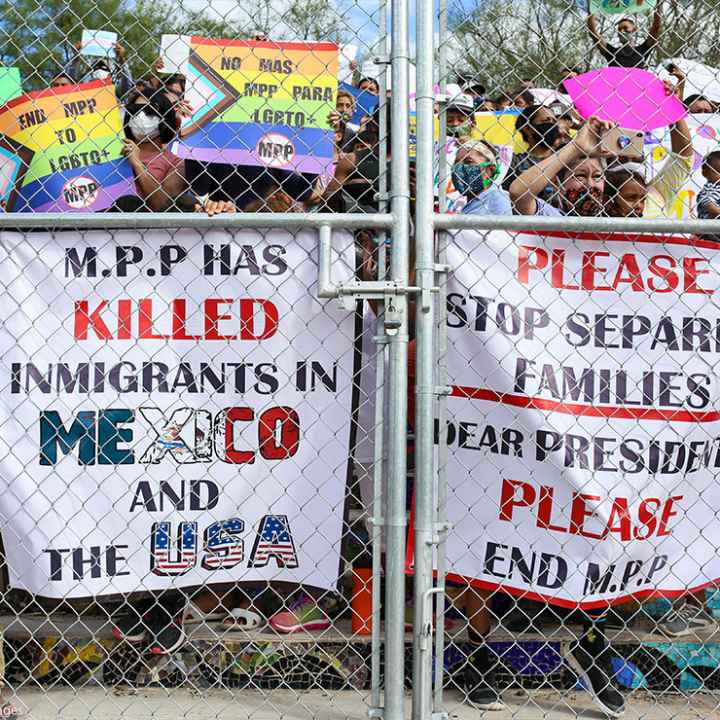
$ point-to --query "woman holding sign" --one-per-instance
(150, 125)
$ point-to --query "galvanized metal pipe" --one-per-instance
(398, 355)
(518, 223)
(176, 221)
(379, 444)
(441, 372)
(423, 510)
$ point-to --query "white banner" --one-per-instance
(584, 431)
(176, 410)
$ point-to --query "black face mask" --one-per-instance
(548, 133)
(367, 167)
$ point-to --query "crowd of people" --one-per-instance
(566, 169)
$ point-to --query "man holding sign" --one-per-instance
(628, 53)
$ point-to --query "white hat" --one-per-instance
(460, 102)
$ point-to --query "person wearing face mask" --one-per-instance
(101, 69)
(576, 170)
(150, 124)
(629, 52)
(460, 116)
(474, 173)
(538, 127)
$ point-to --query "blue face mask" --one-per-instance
(469, 179)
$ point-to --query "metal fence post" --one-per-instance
(379, 446)
(441, 371)
(396, 322)
(424, 378)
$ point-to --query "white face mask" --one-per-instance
(144, 126)
(100, 75)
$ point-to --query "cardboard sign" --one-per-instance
(261, 103)
(632, 98)
(10, 84)
(98, 43)
(365, 103)
(61, 150)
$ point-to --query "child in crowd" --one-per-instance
(708, 199)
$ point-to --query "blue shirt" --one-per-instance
(493, 201)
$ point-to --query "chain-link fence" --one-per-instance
(325, 438)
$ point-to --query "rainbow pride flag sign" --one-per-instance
(260, 103)
(61, 150)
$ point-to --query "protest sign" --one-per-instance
(10, 84)
(261, 103)
(61, 150)
(699, 79)
(365, 103)
(630, 97)
(583, 429)
(174, 53)
(498, 128)
(705, 135)
(620, 7)
(98, 43)
(348, 55)
(181, 400)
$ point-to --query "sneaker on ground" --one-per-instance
(686, 619)
(591, 659)
(479, 681)
(131, 627)
(303, 614)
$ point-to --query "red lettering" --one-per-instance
(213, 317)
(179, 321)
(508, 500)
(665, 273)
(629, 263)
(146, 322)
(84, 319)
(620, 513)
(247, 319)
(524, 264)
(558, 271)
(579, 512)
(647, 518)
(233, 415)
(690, 266)
(590, 269)
(289, 440)
(124, 319)
(667, 513)
(545, 510)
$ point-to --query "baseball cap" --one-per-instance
(462, 102)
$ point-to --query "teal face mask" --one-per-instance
(469, 179)
(459, 131)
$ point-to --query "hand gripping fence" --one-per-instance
(357, 364)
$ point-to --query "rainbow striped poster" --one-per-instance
(260, 103)
(60, 150)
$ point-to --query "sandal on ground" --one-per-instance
(243, 619)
